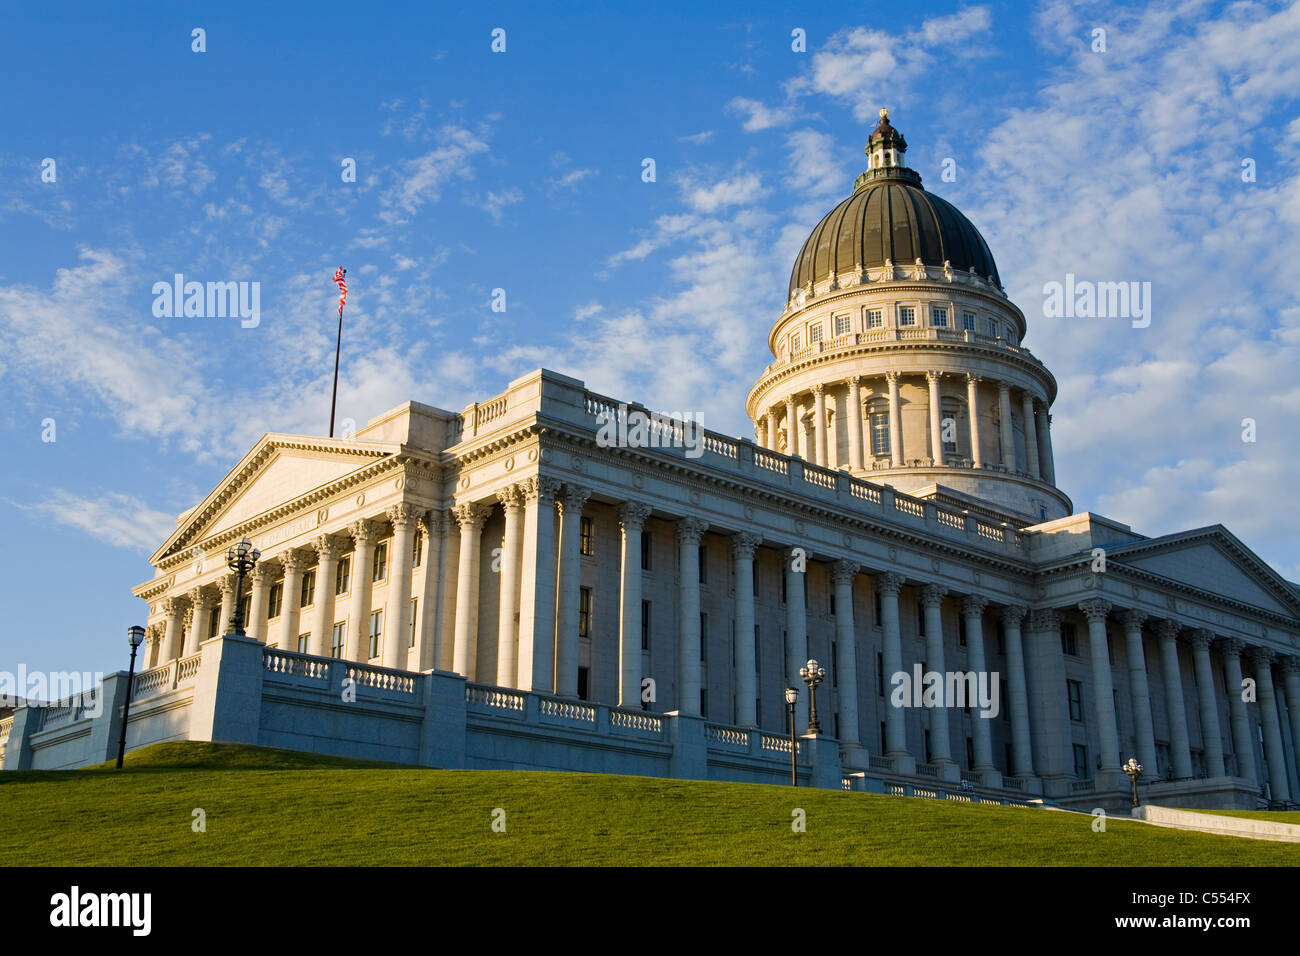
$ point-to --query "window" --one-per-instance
(754, 577)
(939, 317)
(1075, 691)
(417, 549)
(1081, 761)
(906, 315)
(875, 318)
(704, 702)
(308, 588)
(842, 324)
(970, 754)
(415, 615)
(814, 333)
(880, 433)
(342, 576)
(336, 645)
(1011, 335)
(214, 622)
(704, 564)
(968, 321)
(796, 343)
(991, 327)
(583, 679)
(1110, 650)
(275, 599)
(376, 629)
(704, 638)
(584, 612)
(646, 551)
(1069, 639)
(645, 625)
(784, 581)
(584, 537)
(1002, 638)
(381, 562)
(302, 642)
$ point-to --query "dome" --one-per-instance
(890, 217)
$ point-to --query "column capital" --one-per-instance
(892, 377)
(973, 379)
(326, 546)
(363, 532)
(1262, 656)
(539, 489)
(843, 572)
(293, 560)
(573, 499)
(932, 595)
(817, 388)
(1004, 387)
(1290, 664)
(1231, 646)
(1131, 618)
(226, 583)
(1012, 614)
(401, 516)
(1095, 609)
(933, 376)
(433, 521)
(1167, 629)
(853, 381)
(470, 517)
(261, 576)
(889, 583)
(790, 400)
(973, 605)
(1200, 638)
(199, 598)
(744, 544)
(511, 498)
(1044, 619)
(632, 515)
(689, 530)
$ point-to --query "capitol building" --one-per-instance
(504, 586)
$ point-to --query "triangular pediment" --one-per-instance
(279, 470)
(1212, 560)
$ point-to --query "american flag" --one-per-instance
(340, 276)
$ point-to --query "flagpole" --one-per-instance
(334, 395)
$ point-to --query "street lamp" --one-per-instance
(812, 674)
(134, 634)
(792, 695)
(1133, 769)
(241, 558)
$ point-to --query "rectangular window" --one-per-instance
(417, 549)
(646, 551)
(815, 333)
(584, 537)
(841, 325)
(796, 343)
(920, 619)
(991, 327)
(342, 576)
(961, 630)
(880, 433)
(1002, 638)
(704, 702)
(1069, 639)
(875, 318)
(583, 683)
(939, 318)
(1081, 761)
(275, 599)
(302, 642)
(336, 644)
(380, 569)
(584, 612)
(645, 625)
(1075, 691)
(906, 315)
(308, 594)
(968, 321)
(376, 630)
(214, 622)
(415, 615)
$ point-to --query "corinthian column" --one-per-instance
(471, 518)
(631, 522)
(887, 586)
(291, 599)
(430, 583)
(791, 427)
(256, 627)
(568, 593)
(537, 590)
(1211, 738)
(895, 421)
(771, 443)
(819, 424)
(973, 411)
(1291, 681)
(1143, 728)
(327, 566)
(1043, 420)
(796, 618)
(397, 639)
(1274, 755)
(1103, 690)
(363, 534)
(853, 421)
(932, 600)
(972, 609)
(743, 546)
(846, 652)
(1243, 743)
(936, 418)
(201, 611)
(1008, 431)
(226, 621)
(1022, 758)
(1031, 440)
(511, 564)
(1179, 751)
(689, 532)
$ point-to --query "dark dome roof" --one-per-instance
(895, 220)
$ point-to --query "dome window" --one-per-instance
(841, 324)
(814, 333)
(968, 321)
(939, 318)
(991, 327)
(875, 319)
(906, 315)
(796, 343)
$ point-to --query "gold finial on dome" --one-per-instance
(884, 112)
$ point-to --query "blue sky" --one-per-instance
(522, 170)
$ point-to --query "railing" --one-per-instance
(923, 792)
(1083, 786)
(728, 736)
(6, 725)
(636, 720)
(876, 762)
(860, 489)
(1013, 783)
(292, 664)
(494, 697)
(149, 681)
(719, 445)
(950, 518)
(909, 506)
(776, 744)
(487, 411)
(188, 667)
(771, 461)
(567, 710)
(380, 678)
(927, 770)
(818, 476)
(984, 530)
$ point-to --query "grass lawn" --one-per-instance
(276, 807)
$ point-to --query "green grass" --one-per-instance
(277, 807)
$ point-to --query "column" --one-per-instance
(936, 418)
(1143, 728)
(1211, 737)
(175, 610)
(771, 444)
(1031, 440)
(819, 425)
(791, 427)
(201, 615)
(1274, 755)
(973, 412)
(471, 518)
(290, 599)
(1008, 432)
(972, 609)
(796, 618)
(887, 585)
(1291, 682)
(363, 536)
(1179, 752)
(225, 624)
(327, 565)
(689, 531)
(632, 516)
(853, 421)
(742, 559)
(257, 605)
(1049, 705)
(1046, 464)
(895, 421)
(537, 588)
(1103, 689)
(1022, 758)
(567, 594)
(431, 600)
(846, 652)
(932, 600)
(397, 630)
(511, 566)
(151, 649)
(1243, 743)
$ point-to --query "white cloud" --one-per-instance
(422, 180)
(758, 116)
(116, 519)
(742, 188)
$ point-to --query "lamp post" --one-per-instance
(241, 558)
(1133, 769)
(792, 695)
(134, 634)
(812, 674)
